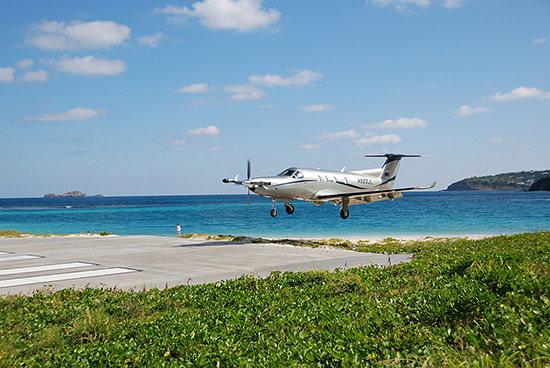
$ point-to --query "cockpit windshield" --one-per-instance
(292, 172)
(287, 172)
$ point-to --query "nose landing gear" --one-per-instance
(289, 208)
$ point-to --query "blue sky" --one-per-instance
(169, 97)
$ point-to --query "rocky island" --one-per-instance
(74, 194)
(522, 180)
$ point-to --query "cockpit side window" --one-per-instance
(298, 175)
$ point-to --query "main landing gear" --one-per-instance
(344, 212)
(289, 208)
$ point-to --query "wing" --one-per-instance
(368, 196)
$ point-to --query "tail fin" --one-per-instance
(390, 168)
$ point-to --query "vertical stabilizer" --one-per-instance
(390, 168)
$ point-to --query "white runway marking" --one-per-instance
(64, 276)
(18, 258)
(60, 266)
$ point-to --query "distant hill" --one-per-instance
(76, 193)
(509, 181)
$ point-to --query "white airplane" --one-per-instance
(341, 188)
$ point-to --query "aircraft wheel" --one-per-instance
(273, 212)
(289, 209)
(344, 214)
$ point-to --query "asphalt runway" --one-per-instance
(145, 262)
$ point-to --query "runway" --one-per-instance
(144, 262)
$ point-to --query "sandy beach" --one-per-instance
(77, 261)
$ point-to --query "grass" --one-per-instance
(12, 233)
(459, 303)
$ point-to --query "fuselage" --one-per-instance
(309, 184)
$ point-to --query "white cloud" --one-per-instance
(25, 63)
(150, 40)
(402, 5)
(378, 139)
(451, 4)
(268, 106)
(171, 9)
(520, 93)
(211, 130)
(178, 145)
(51, 35)
(89, 65)
(466, 110)
(310, 146)
(317, 108)
(245, 92)
(6, 74)
(237, 15)
(78, 114)
(496, 140)
(196, 88)
(540, 40)
(399, 123)
(38, 76)
(338, 135)
(301, 78)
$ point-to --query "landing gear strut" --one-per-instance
(274, 210)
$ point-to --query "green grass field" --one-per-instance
(459, 303)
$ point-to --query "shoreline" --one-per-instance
(350, 238)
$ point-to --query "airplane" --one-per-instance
(341, 188)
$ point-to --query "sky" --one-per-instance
(169, 97)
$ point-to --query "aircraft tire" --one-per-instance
(273, 212)
(344, 214)
(289, 209)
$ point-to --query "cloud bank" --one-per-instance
(520, 93)
(235, 15)
(77, 114)
(51, 35)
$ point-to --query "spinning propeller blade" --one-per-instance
(248, 178)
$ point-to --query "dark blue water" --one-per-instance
(419, 213)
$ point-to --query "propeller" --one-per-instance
(248, 178)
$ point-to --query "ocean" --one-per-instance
(417, 213)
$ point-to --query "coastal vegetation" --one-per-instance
(522, 180)
(12, 233)
(459, 303)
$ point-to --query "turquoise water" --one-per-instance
(419, 213)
